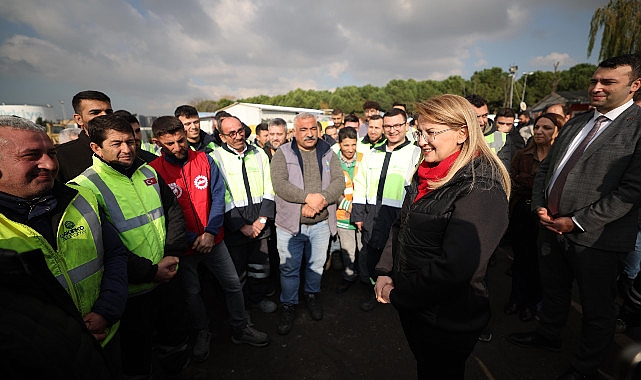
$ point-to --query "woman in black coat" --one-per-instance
(453, 217)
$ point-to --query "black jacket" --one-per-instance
(42, 334)
(74, 157)
(441, 245)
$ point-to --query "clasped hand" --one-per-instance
(560, 225)
(314, 203)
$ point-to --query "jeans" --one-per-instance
(219, 263)
(350, 242)
(309, 244)
(632, 260)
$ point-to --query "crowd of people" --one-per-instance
(105, 239)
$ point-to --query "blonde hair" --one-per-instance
(456, 112)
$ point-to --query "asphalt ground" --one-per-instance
(351, 344)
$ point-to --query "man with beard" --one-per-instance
(200, 190)
(196, 137)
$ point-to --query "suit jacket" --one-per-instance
(603, 190)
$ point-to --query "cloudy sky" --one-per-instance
(151, 55)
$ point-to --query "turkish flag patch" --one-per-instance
(151, 181)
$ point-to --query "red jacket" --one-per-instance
(190, 182)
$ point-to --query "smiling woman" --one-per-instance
(434, 271)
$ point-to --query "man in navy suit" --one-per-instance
(586, 194)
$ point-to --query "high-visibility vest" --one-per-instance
(77, 263)
(259, 179)
(133, 206)
(400, 169)
(495, 140)
(342, 215)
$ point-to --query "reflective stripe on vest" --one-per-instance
(87, 269)
(77, 264)
(493, 142)
(115, 212)
(258, 175)
(399, 174)
(120, 196)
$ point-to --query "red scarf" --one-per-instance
(433, 171)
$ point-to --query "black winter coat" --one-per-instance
(441, 246)
(42, 335)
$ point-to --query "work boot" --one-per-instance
(286, 320)
(251, 336)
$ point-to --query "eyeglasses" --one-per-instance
(233, 134)
(395, 126)
(428, 136)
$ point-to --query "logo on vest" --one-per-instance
(200, 182)
(72, 231)
(151, 181)
(176, 189)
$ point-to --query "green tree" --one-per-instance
(621, 23)
(492, 84)
(454, 84)
(427, 89)
(224, 102)
(576, 78)
(207, 106)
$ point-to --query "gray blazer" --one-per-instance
(603, 190)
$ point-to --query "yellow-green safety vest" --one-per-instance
(77, 263)
(258, 175)
(133, 206)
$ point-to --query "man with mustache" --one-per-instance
(308, 180)
(72, 262)
(150, 223)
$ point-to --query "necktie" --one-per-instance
(557, 188)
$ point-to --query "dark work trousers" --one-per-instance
(439, 354)
(373, 256)
(526, 284)
(595, 271)
(149, 318)
(251, 260)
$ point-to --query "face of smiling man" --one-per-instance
(28, 163)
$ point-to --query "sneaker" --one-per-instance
(286, 320)
(314, 306)
(251, 336)
(265, 305)
(201, 345)
(486, 336)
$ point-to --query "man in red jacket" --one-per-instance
(200, 190)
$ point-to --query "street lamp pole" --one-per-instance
(64, 115)
(513, 70)
(525, 75)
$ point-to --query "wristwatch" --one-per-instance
(262, 220)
